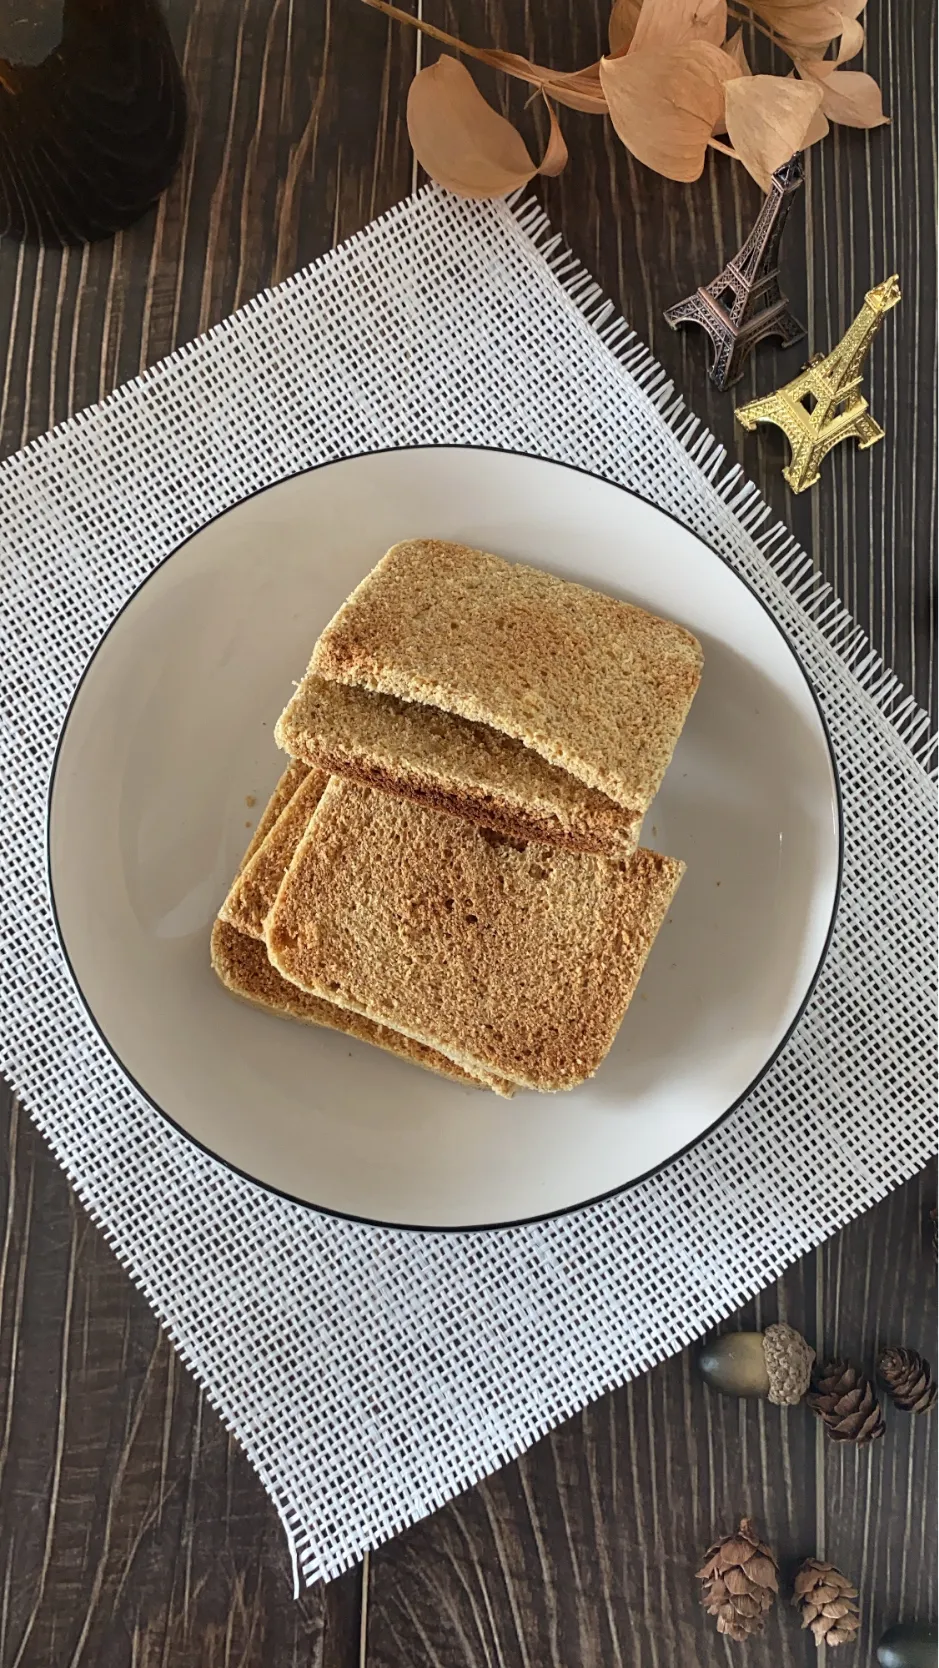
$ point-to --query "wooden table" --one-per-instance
(132, 1532)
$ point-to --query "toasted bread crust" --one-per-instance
(590, 683)
(455, 766)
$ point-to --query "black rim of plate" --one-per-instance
(579, 1204)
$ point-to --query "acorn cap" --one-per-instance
(789, 1364)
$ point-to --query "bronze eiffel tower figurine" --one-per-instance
(824, 404)
(744, 303)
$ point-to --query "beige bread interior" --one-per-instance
(239, 955)
(452, 765)
(588, 682)
(511, 958)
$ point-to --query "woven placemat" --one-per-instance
(372, 1374)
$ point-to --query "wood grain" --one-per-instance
(584, 1551)
(132, 1532)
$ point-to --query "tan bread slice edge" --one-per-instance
(240, 962)
(259, 863)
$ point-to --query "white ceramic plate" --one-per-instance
(167, 758)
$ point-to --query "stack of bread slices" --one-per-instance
(450, 864)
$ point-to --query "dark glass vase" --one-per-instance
(92, 116)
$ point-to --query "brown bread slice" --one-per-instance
(590, 683)
(287, 786)
(509, 958)
(263, 867)
(239, 955)
(447, 762)
(242, 965)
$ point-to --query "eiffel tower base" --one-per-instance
(734, 343)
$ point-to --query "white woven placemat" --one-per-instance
(372, 1374)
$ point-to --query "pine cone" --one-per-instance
(908, 1379)
(825, 1599)
(844, 1399)
(740, 1585)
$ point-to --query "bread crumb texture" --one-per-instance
(589, 682)
(513, 958)
(242, 965)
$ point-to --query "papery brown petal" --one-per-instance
(463, 143)
(852, 98)
(768, 117)
(802, 22)
(666, 23)
(817, 129)
(735, 50)
(622, 25)
(738, 1550)
(554, 160)
(664, 105)
(580, 89)
(852, 39)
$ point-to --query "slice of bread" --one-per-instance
(451, 764)
(263, 868)
(239, 955)
(283, 793)
(242, 965)
(590, 683)
(509, 958)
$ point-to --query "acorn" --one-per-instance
(776, 1364)
(909, 1645)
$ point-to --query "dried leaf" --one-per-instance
(848, 96)
(463, 143)
(817, 129)
(802, 22)
(666, 23)
(768, 117)
(580, 89)
(622, 25)
(554, 160)
(852, 39)
(735, 52)
(664, 105)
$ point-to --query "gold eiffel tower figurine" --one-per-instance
(824, 404)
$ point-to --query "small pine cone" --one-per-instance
(908, 1380)
(844, 1400)
(740, 1584)
(825, 1599)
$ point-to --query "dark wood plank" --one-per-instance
(878, 1288)
(131, 1530)
(867, 201)
(295, 141)
(584, 1551)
